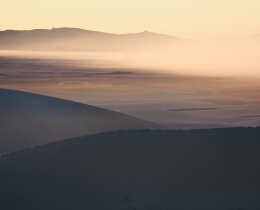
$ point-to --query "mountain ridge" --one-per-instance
(82, 30)
(77, 39)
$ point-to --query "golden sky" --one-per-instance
(196, 19)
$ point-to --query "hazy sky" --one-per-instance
(197, 19)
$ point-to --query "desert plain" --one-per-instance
(89, 122)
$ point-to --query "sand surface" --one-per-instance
(30, 119)
(111, 91)
(176, 109)
(147, 170)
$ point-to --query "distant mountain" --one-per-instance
(73, 39)
(253, 38)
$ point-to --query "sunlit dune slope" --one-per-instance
(28, 119)
(200, 169)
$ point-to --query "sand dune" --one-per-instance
(202, 169)
(28, 119)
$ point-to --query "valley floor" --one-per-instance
(174, 101)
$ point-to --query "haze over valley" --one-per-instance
(130, 105)
(145, 50)
(151, 76)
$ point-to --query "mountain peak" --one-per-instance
(68, 29)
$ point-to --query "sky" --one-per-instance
(193, 19)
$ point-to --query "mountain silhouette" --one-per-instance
(74, 39)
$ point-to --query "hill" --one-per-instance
(73, 39)
(29, 119)
(201, 169)
(254, 38)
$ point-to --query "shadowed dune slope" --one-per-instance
(29, 119)
(200, 169)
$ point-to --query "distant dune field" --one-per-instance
(143, 170)
(28, 119)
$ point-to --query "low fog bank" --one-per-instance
(218, 58)
(235, 58)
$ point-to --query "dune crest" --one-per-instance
(29, 119)
(143, 170)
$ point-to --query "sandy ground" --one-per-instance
(162, 99)
(29, 119)
(177, 110)
(142, 170)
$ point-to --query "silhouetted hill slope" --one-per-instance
(28, 119)
(75, 39)
(201, 169)
(252, 38)
(72, 39)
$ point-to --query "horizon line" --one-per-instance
(125, 33)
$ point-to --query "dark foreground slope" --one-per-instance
(29, 119)
(177, 170)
